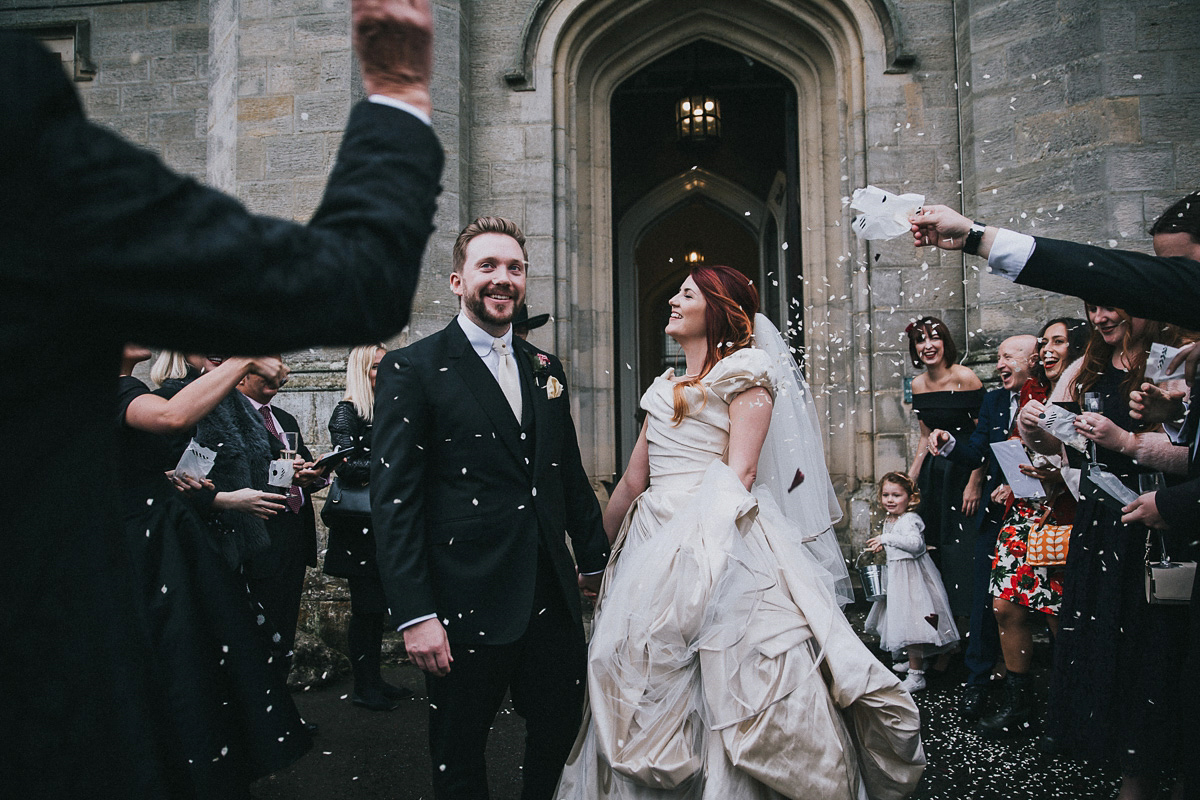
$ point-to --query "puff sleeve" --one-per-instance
(737, 372)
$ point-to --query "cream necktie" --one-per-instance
(510, 382)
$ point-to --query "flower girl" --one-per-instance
(915, 614)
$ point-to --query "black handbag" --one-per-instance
(346, 503)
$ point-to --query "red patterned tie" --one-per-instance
(294, 498)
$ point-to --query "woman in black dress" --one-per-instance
(351, 550)
(946, 396)
(232, 720)
(1116, 661)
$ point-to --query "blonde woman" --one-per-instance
(351, 550)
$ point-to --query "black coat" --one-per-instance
(351, 548)
(1162, 289)
(235, 433)
(102, 244)
(459, 514)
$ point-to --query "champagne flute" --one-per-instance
(291, 445)
(1093, 402)
(1150, 482)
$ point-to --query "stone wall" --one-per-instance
(1070, 118)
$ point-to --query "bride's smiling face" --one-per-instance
(687, 313)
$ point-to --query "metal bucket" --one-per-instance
(873, 578)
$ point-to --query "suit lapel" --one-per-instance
(484, 387)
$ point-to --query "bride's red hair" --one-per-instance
(731, 301)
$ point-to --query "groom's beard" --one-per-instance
(477, 305)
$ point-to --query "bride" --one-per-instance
(720, 664)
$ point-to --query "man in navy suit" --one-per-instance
(476, 478)
(997, 413)
(102, 245)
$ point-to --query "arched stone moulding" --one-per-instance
(835, 54)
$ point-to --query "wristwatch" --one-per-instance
(974, 237)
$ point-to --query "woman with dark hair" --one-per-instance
(1112, 695)
(720, 664)
(946, 396)
(1020, 591)
(351, 550)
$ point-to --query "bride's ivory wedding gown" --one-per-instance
(720, 665)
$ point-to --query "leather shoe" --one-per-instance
(312, 728)
(974, 699)
(376, 702)
(395, 692)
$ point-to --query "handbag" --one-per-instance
(1047, 545)
(346, 503)
(1168, 582)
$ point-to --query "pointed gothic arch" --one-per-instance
(835, 54)
(657, 204)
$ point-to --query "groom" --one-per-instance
(475, 480)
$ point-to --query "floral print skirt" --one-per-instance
(1036, 588)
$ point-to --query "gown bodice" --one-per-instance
(680, 454)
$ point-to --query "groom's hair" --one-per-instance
(486, 225)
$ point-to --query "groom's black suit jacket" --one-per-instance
(101, 244)
(459, 515)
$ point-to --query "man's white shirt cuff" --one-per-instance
(1009, 254)
(948, 448)
(384, 100)
(412, 622)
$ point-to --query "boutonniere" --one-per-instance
(540, 362)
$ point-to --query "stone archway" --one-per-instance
(653, 207)
(834, 54)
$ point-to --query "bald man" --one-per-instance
(997, 413)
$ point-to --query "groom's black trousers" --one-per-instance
(545, 671)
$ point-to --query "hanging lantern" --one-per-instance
(698, 118)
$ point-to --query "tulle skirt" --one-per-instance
(720, 665)
(915, 610)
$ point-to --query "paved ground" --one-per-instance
(362, 754)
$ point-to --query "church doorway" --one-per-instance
(704, 171)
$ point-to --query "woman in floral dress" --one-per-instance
(1020, 591)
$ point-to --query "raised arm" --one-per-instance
(154, 414)
(158, 258)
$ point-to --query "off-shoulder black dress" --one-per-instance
(942, 482)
